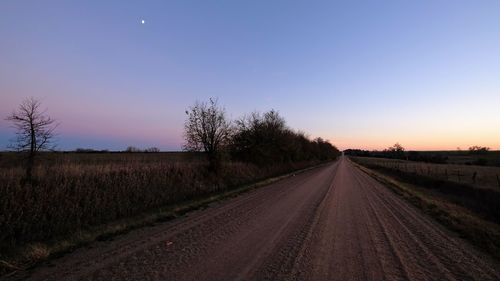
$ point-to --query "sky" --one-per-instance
(362, 74)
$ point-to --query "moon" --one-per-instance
(143, 21)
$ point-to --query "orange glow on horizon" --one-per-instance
(436, 144)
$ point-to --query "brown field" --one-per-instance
(73, 192)
(478, 176)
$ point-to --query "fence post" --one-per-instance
(498, 181)
(446, 173)
(458, 175)
(474, 177)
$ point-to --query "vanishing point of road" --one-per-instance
(330, 223)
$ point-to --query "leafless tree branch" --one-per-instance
(35, 130)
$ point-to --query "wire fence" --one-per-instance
(479, 176)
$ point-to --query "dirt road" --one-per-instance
(330, 223)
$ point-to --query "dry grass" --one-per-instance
(485, 177)
(73, 193)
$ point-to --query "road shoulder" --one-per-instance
(483, 235)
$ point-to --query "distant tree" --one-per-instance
(397, 147)
(35, 131)
(90, 150)
(359, 152)
(132, 149)
(478, 149)
(395, 151)
(85, 150)
(152, 150)
(207, 129)
(326, 149)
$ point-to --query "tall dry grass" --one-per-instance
(73, 192)
(477, 176)
(451, 183)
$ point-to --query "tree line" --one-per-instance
(262, 139)
(397, 151)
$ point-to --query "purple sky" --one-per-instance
(362, 74)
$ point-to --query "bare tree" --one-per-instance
(35, 131)
(133, 149)
(478, 149)
(152, 150)
(207, 129)
(396, 151)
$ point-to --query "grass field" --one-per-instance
(73, 192)
(478, 176)
(464, 157)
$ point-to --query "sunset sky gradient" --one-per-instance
(363, 74)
